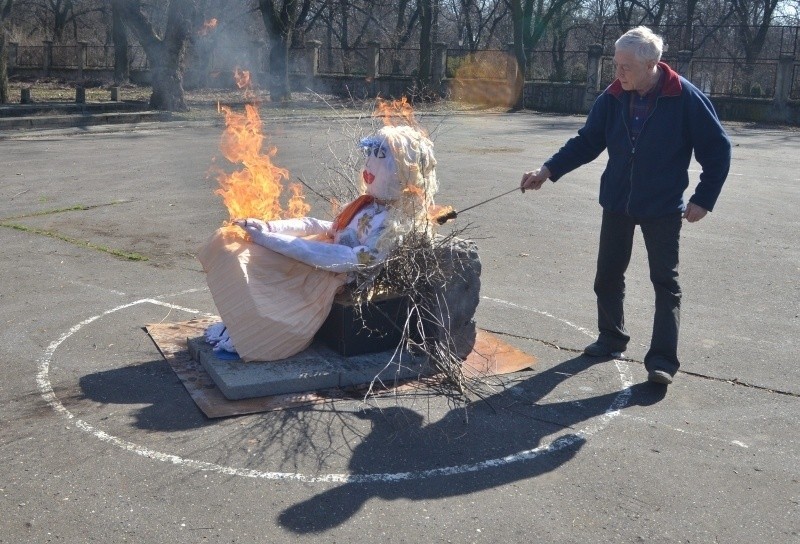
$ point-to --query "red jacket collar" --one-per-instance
(672, 83)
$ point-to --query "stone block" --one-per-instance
(314, 369)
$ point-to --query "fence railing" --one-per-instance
(715, 75)
(71, 57)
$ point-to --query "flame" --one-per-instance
(207, 27)
(434, 212)
(395, 112)
(297, 206)
(255, 189)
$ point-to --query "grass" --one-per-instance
(127, 255)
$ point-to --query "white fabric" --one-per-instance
(353, 247)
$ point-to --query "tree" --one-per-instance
(754, 18)
(426, 14)
(166, 54)
(476, 21)
(5, 11)
(119, 36)
(281, 19)
(54, 17)
(530, 23)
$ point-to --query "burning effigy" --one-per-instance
(273, 272)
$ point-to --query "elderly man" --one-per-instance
(651, 120)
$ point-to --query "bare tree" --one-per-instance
(530, 19)
(631, 13)
(426, 13)
(754, 18)
(476, 21)
(5, 11)
(119, 36)
(54, 17)
(165, 54)
(281, 19)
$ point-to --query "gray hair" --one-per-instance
(643, 42)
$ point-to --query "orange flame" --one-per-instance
(395, 112)
(435, 212)
(256, 188)
(207, 27)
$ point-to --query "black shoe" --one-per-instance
(659, 376)
(599, 349)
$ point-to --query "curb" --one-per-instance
(82, 120)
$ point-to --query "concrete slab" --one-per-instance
(318, 367)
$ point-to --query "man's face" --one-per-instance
(633, 73)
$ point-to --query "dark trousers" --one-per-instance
(661, 238)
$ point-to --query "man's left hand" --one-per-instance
(694, 212)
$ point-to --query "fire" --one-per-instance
(435, 212)
(207, 27)
(256, 188)
(395, 112)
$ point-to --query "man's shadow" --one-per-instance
(399, 447)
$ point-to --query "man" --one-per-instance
(651, 120)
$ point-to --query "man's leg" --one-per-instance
(613, 256)
(662, 239)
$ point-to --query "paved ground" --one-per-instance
(100, 442)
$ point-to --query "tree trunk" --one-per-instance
(120, 39)
(279, 24)
(4, 98)
(425, 43)
(279, 88)
(519, 52)
(166, 55)
(167, 86)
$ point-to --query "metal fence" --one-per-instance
(334, 60)
(717, 67)
(65, 57)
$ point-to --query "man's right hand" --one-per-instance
(534, 180)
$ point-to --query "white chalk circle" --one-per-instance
(46, 390)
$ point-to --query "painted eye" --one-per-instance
(376, 151)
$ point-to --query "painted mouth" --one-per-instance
(368, 177)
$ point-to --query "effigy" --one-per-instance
(274, 281)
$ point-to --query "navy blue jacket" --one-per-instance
(649, 180)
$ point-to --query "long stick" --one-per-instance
(453, 213)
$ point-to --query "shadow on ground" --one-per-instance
(510, 428)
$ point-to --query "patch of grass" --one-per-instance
(130, 256)
(8, 223)
(75, 208)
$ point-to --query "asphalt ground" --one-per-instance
(99, 441)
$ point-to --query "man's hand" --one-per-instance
(534, 180)
(694, 212)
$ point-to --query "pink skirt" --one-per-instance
(271, 304)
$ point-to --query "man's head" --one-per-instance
(636, 55)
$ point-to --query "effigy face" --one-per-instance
(380, 169)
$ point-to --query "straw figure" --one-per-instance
(275, 286)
